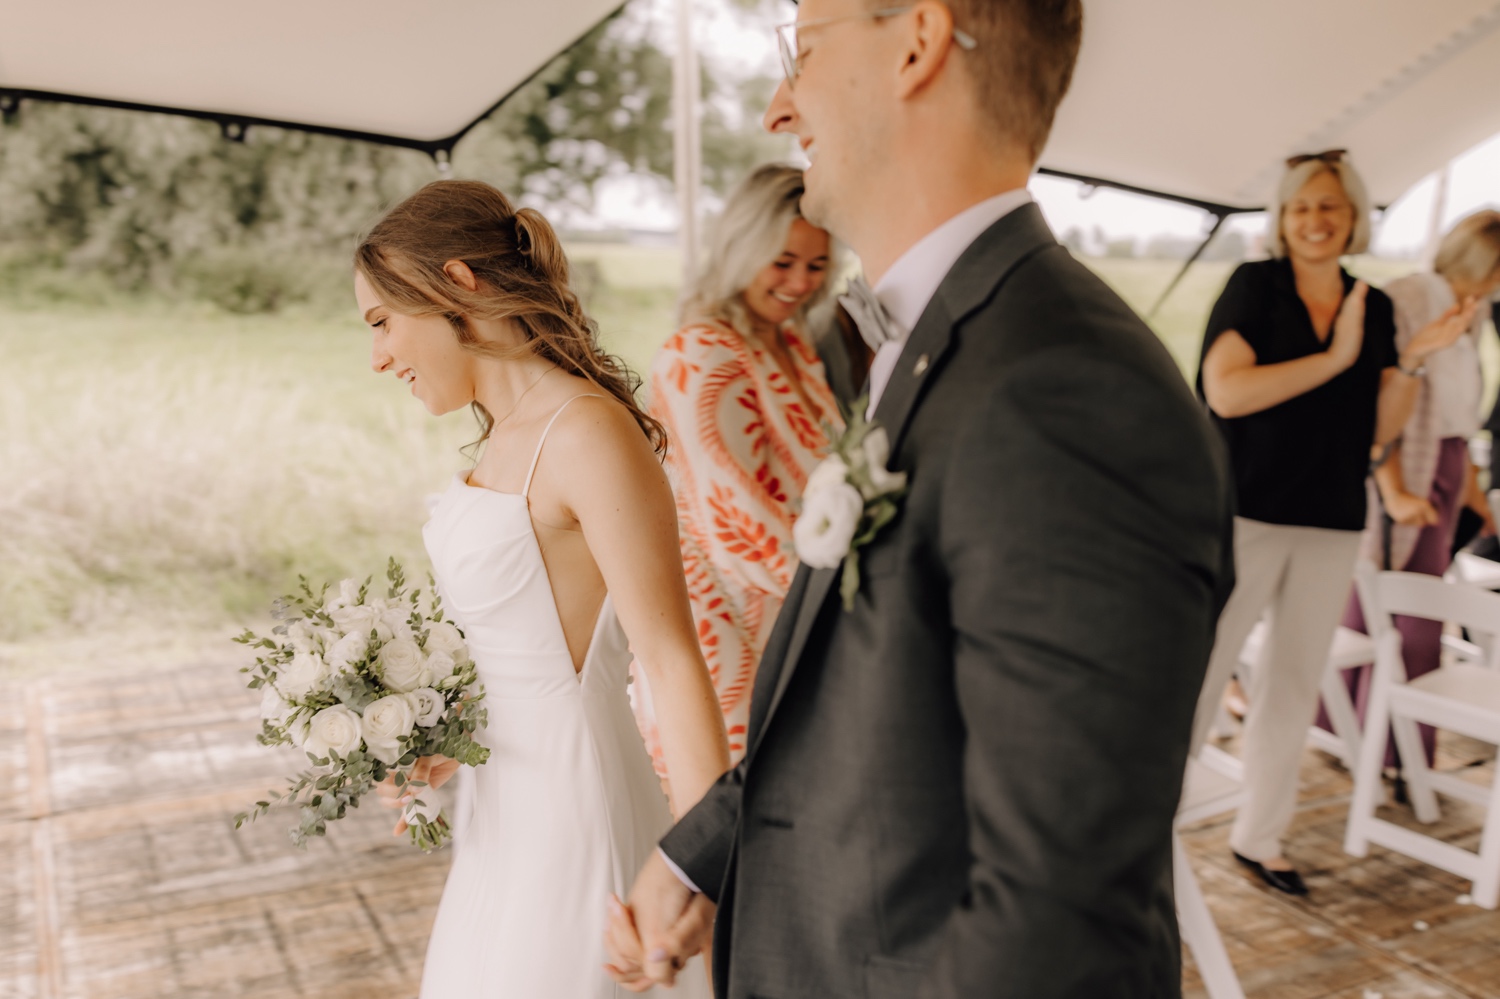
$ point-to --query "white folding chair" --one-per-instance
(1460, 697)
(1204, 793)
(1349, 649)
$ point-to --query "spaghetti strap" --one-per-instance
(531, 473)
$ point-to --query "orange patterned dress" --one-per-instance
(742, 444)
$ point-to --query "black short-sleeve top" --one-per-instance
(1301, 463)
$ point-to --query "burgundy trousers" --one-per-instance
(1421, 639)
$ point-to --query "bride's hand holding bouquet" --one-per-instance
(379, 691)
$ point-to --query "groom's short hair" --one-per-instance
(1023, 61)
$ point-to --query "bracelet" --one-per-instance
(1421, 369)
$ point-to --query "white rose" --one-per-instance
(305, 673)
(877, 448)
(335, 729)
(347, 651)
(440, 666)
(444, 637)
(826, 528)
(356, 620)
(346, 594)
(387, 721)
(396, 620)
(427, 705)
(402, 667)
(830, 474)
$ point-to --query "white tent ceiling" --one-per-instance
(388, 68)
(1193, 99)
(1206, 98)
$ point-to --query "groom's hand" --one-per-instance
(671, 923)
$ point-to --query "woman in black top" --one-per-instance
(1301, 374)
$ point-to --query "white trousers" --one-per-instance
(1300, 577)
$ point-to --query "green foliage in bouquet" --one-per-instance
(366, 685)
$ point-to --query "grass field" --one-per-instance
(165, 470)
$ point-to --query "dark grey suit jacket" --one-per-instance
(965, 786)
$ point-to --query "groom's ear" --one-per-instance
(926, 47)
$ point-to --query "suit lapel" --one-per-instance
(972, 281)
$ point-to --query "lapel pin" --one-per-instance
(922, 363)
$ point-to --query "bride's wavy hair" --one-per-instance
(522, 275)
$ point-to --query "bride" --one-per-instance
(557, 554)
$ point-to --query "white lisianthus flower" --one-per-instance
(440, 666)
(830, 473)
(303, 637)
(306, 673)
(427, 811)
(402, 666)
(273, 708)
(336, 729)
(444, 637)
(356, 620)
(387, 721)
(877, 449)
(825, 530)
(396, 620)
(347, 651)
(427, 705)
(346, 594)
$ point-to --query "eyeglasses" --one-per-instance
(791, 55)
(1329, 156)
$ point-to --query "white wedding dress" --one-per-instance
(567, 808)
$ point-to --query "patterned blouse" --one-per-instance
(742, 444)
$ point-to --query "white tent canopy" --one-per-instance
(1205, 100)
(406, 73)
(1192, 100)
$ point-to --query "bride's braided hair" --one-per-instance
(523, 277)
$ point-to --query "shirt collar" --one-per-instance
(913, 279)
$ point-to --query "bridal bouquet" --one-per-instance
(365, 685)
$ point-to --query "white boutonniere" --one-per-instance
(849, 498)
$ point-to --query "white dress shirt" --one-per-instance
(913, 279)
(905, 291)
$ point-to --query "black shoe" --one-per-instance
(1283, 881)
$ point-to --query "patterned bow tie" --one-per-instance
(876, 325)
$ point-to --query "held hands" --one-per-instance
(1349, 327)
(435, 771)
(1439, 334)
(650, 939)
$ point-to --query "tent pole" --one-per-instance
(687, 150)
(1219, 220)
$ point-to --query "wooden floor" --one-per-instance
(123, 877)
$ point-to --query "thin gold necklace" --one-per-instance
(517, 405)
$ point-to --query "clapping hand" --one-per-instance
(664, 923)
(1349, 326)
(434, 771)
(1439, 334)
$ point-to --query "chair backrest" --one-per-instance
(1417, 595)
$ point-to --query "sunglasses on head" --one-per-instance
(1329, 156)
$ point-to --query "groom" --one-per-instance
(964, 786)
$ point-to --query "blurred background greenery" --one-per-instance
(188, 419)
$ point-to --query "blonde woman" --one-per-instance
(747, 405)
(1427, 478)
(1302, 374)
(557, 555)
